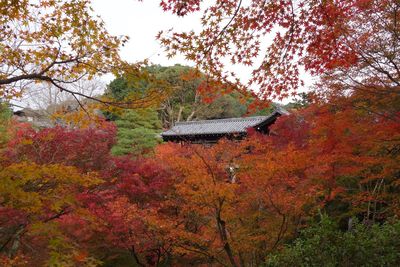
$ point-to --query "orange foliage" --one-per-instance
(236, 201)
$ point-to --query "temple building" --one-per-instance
(210, 131)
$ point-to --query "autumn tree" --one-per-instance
(373, 79)
(356, 154)
(41, 184)
(53, 41)
(129, 208)
(355, 39)
(235, 202)
(36, 197)
(86, 149)
(58, 43)
(118, 218)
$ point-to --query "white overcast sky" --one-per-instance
(141, 21)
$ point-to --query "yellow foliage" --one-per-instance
(31, 187)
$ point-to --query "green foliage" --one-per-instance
(265, 111)
(325, 245)
(5, 115)
(302, 100)
(64, 254)
(137, 132)
(5, 112)
(183, 100)
(154, 75)
(118, 88)
(123, 87)
(226, 106)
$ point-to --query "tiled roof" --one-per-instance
(220, 126)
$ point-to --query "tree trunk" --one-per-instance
(135, 256)
(178, 119)
(224, 238)
(16, 241)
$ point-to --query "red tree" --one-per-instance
(357, 39)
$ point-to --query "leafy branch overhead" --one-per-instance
(59, 43)
(357, 39)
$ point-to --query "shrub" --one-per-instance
(325, 245)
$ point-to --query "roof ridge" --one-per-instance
(222, 120)
(220, 126)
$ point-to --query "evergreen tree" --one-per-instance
(5, 115)
(137, 132)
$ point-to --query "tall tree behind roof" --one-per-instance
(185, 100)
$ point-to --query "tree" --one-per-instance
(357, 153)
(116, 217)
(302, 100)
(53, 42)
(225, 106)
(44, 175)
(51, 100)
(358, 38)
(86, 149)
(235, 202)
(374, 78)
(58, 43)
(37, 197)
(180, 85)
(137, 132)
(324, 244)
(5, 116)
(185, 97)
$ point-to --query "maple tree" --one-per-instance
(127, 209)
(86, 149)
(123, 202)
(358, 38)
(234, 202)
(246, 199)
(52, 41)
(36, 195)
(34, 198)
(356, 153)
(373, 79)
(60, 43)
